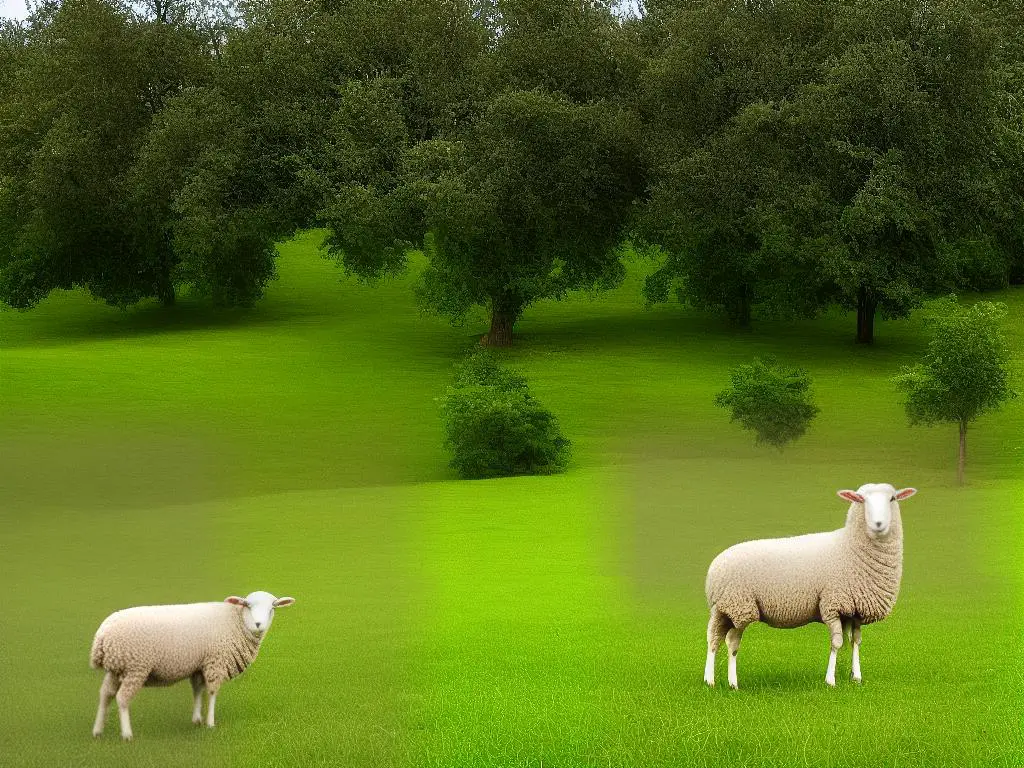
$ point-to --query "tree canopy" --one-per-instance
(526, 199)
(965, 371)
(824, 154)
(781, 158)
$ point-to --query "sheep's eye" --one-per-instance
(893, 499)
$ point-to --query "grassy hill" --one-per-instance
(154, 455)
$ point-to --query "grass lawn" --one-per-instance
(166, 456)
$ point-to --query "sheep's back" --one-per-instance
(777, 581)
(165, 642)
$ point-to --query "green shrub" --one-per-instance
(773, 401)
(494, 427)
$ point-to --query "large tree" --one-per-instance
(820, 154)
(712, 72)
(530, 203)
(1003, 243)
(895, 137)
(525, 196)
(89, 88)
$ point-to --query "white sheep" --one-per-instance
(843, 578)
(208, 643)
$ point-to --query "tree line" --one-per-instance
(776, 158)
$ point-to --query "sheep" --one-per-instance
(207, 643)
(844, 579)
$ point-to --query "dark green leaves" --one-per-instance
(494, 427)
(771, 400)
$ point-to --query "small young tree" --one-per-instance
(965, 371)
(773, 401)
(495, 427)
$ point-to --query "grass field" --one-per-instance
(155, 456)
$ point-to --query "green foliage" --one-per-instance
(128, 171)
(770, 399)
(714, 76)
(527, 196)
(965, 371)
(813, 154)
(495, 427)
(561, 46)
(194, 185)
(530, 203)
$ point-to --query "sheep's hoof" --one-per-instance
(126, 737)
(830, 683)
(857, 680)
(210, 725)
(710, 682)
(96, 733)
(197, 721)
(734, 686)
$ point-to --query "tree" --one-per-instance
(1003, 241)
(571, 47)
(965, 371)
(79, 137)
(714, 75)
(822, 154)
(895, 137)
(530, 203)
(198, 197)
(773, 401)
(524, 194)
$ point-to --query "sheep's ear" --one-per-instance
(850, 496)
(281, 602)
(235, 600)
(906, 493)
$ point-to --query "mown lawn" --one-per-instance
(156, 456)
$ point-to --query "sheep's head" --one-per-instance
(258, 610)
(880, 502)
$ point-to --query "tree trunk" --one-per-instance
(962, 458)
(743, 315)
(502, 321)
(866, 306)
(165, 292)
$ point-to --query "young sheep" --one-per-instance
(208, 643)
(843, 578)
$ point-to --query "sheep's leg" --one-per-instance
(855, 674)
(198, 684)
(732, 641)
(129, 687)
(718, 625)
(212, 686)
(108, 689)
(836, 627)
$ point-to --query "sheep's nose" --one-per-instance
(258, 625)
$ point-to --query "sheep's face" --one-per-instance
(258, 610)
(880, 502)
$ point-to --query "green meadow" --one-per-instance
(188, 454)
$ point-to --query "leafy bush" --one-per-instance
(773, 401)
(495, 427)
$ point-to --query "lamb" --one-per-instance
(208, 643)
(843, 578)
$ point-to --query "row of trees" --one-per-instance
(776, 158)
